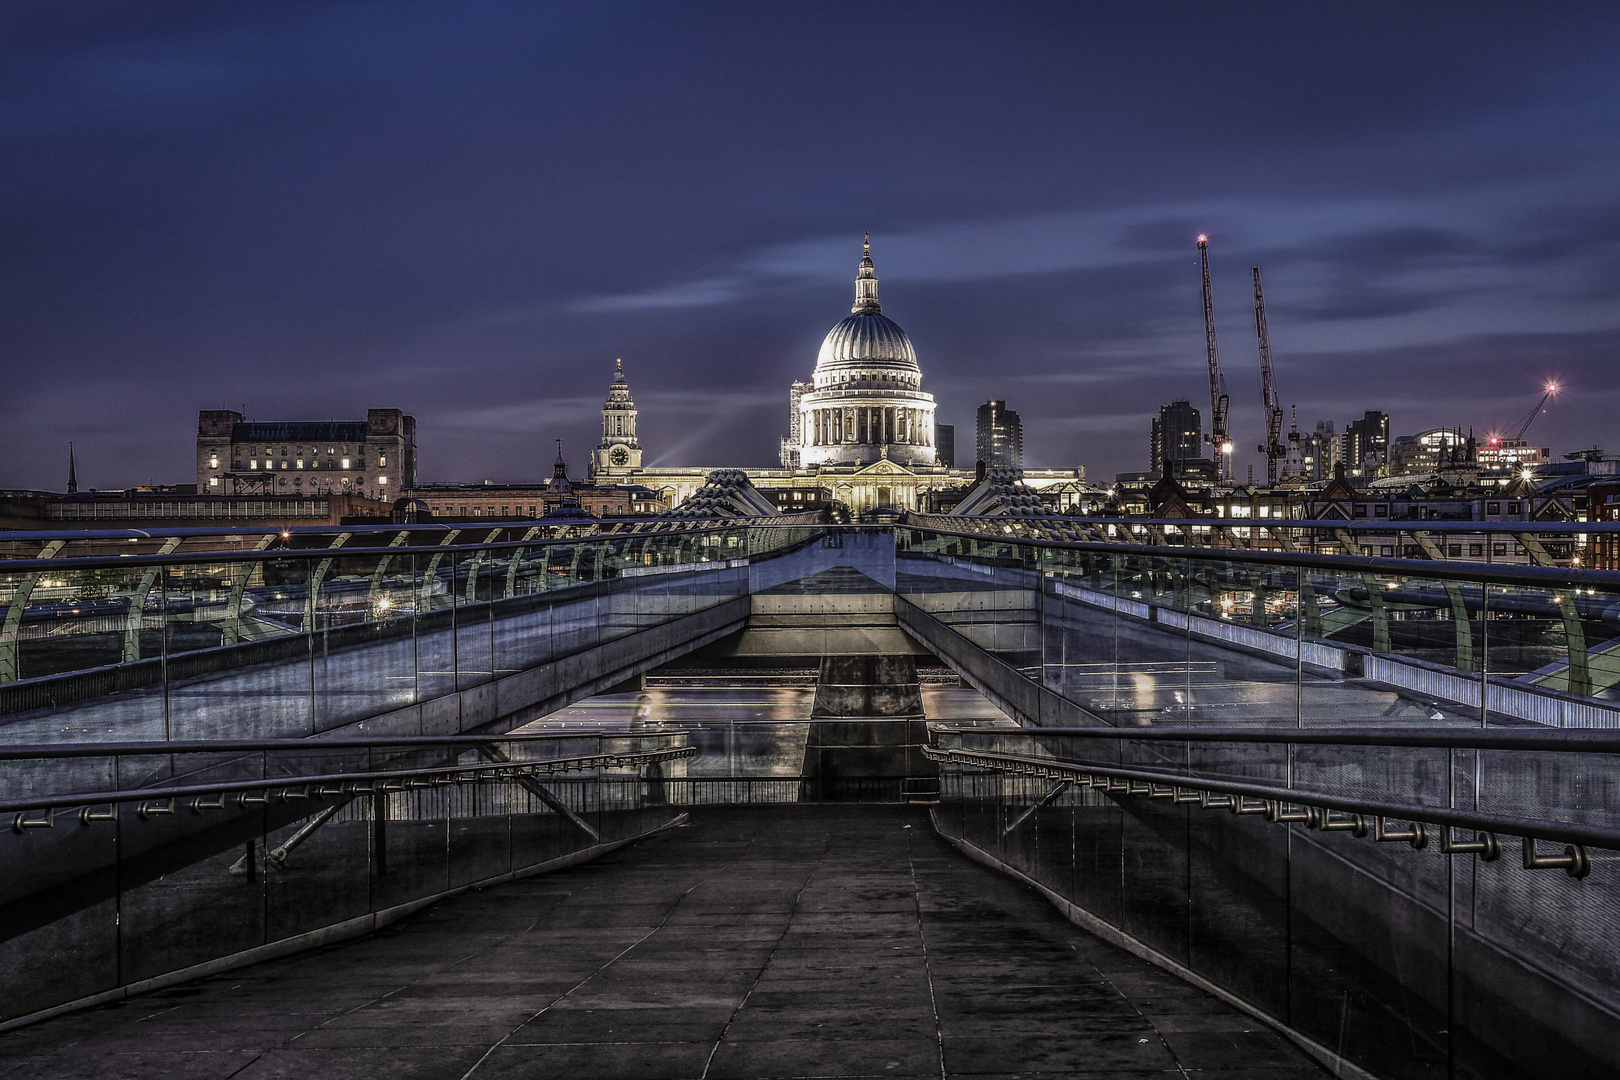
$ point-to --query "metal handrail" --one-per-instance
(249, 527)
(214, 557)
(1438, 569)
(317, 743)
(1559, 740)
(1530, 829)
(1354, 525)
(285, 784)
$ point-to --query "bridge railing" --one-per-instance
(125, 866)
(1131, 633)
(296, 633)
(1404, 903)
(1496, 542)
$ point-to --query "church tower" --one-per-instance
(619, 452)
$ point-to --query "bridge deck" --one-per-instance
(758, 942)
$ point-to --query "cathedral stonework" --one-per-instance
(861, 432)
(867, 403)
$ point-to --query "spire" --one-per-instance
(73, 473)
(559, 470)
(866, 282)
(619, 389)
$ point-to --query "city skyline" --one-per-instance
(470, 218)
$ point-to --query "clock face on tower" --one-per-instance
(620, 456)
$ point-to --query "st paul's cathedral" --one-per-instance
(861, 429)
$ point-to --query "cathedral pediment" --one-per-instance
(884, 467)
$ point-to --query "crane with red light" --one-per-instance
(1549, 390)
(1218, 397)
(1273, 447)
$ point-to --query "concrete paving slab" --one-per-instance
(862, 945)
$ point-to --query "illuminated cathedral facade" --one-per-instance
(861, 430)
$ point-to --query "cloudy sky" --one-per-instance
(468, 210)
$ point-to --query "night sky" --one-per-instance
(468, 210)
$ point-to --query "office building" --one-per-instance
(1177, 437)
(1000, 440)
(1366, 445)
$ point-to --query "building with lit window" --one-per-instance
(1502, 454)
(374, 457)
(1603, 504)
(1366, 445)
(525, 502)
(1000, 442)
(1177, 436)
(1431, 452)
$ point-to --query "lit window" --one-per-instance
(382, 481)
(345, 463)
(284, 465)
(213, 481)
(300, 463)
(382, 459)
(254, 464)
(213, 463)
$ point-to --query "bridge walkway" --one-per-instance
(755, 942)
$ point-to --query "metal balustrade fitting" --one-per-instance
(159, 802)
(1315, 810)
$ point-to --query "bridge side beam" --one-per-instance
(231, 630)
(11, 630)
(477, 565)
(1310, 610)
(312, 601)
(1463, 629)
(1375, 594)
(517, 558)
(137, 604)
(1580, 668)
(432, 571)
(382, 569)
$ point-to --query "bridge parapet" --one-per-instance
(1317, 878)
(130, 866)
(1127, 632)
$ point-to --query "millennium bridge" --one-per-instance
(1237, 798)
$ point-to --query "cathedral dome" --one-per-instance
(860, 338)
(866, 401)
(867, 346)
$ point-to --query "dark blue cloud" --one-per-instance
(467, 210)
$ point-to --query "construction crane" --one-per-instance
(1549, 391)
(1273, 447)
(1218, 398)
